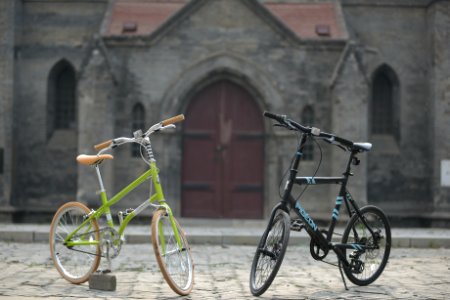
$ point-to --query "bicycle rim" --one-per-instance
(367, 266)
(74, 264)
(269, 254)
(176, 265)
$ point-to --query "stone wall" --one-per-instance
(163, 71)
(245, 44)
(394, 33)
(439, 64)
(7, 41)
(51, 31)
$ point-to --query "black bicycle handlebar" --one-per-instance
(282, 119)
(279, 118)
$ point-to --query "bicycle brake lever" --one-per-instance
(168, 127)
(288, 127)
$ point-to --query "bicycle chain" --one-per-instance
(116, 248)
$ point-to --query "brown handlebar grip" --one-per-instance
(172, 120)
(102, 145)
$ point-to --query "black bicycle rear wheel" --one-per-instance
(270, 253)
(367, 265)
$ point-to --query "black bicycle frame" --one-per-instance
(288, 202)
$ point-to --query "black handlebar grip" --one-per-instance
(279, 118)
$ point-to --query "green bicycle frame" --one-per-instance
(158, 196)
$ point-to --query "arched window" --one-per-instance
(308, 120)
(137, 122)
(61, 98)
(384, 106)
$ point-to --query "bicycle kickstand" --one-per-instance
(108, 259)
(102, 279)
(342, 275)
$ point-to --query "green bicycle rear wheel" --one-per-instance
(176, 264)
(77, 263)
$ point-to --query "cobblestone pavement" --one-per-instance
(222, 272)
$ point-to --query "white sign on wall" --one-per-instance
(445, 172)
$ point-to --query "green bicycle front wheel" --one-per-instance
(176, 264)
(75, 263)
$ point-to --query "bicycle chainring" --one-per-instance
(316, 252)
(110, 237)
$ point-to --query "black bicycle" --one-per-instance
(366, 242)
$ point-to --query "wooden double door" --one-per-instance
(223, 149)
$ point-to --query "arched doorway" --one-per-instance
(223, 148)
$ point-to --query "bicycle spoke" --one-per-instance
(269, 254)
(77, 262)
(175, 263)
(367, 264)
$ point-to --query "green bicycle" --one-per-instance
(77, 243)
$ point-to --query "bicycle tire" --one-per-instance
(270, 253)
(369, 264)
(177, 268)
(77, 263)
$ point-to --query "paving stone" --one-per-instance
(222, 272)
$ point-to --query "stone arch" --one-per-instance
(61, 90)
(216, 67)
(385, 86)
(62, 131)
(384, 111)
(206, 71)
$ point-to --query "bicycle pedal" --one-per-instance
(297, 225)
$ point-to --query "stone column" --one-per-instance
(7, 40)
(349, 96)
(96, 93)
(439, 24)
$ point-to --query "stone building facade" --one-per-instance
(75, 73)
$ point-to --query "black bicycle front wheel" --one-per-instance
(370, 252)
(270, 253)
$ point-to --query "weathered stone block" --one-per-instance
(103, 281)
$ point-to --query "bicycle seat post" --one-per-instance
(100, 180)
(103, 196)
